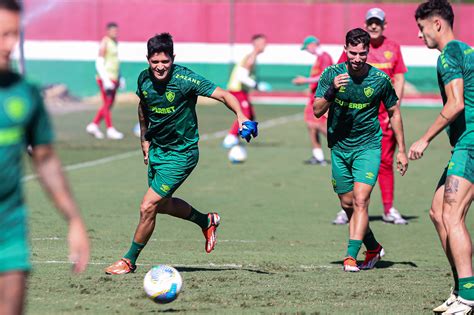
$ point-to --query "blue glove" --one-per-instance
(249, 130)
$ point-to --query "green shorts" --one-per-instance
(350, 167)
(14, 247)
(461, 164)
(167, 170)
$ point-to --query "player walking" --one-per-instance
(384, 54)
(352, 93)
(315, 125)
(454, 193)
(169, 138)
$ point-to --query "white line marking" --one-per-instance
(208, 136)
(54, 238)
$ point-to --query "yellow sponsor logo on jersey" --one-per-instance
(388, 54)
(185, 77)
(468, 285)
(165, 188)
(160, 110)
(450, 165)
(469, 51)
(9, 136)
(15, 108)
(381, 65)
(342, 89)
(170, 96)
(369, 175)
(350, 105)
(368, 91)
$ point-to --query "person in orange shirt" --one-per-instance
(316, 126)
(384, 54)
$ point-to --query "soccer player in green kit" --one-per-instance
(24, 121)
(352, 93)
(169, 138)
(454, 192)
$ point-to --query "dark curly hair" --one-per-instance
(441, 8)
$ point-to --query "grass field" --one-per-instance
(277, 251)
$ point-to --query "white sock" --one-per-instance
(318, 154)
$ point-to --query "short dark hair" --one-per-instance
(10, 5)
(111, 24)
(357, 36)
(258, 36)
(160, 43)
(441, 8)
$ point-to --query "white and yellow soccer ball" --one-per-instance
(162, 284)
(237, 154)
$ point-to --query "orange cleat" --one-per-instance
(210, 233)
(350, 265)
(121, 267)
(372, 257)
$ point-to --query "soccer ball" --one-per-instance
(237, 154)
(162, 284)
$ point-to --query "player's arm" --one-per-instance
(398, 85)
(100, 67)
(48, 167)
(143, 121)
(451, 110)
(231, 102)
(397, 126)
(321, 104)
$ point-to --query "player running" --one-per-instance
(24, 121)
(454, 192)
(352, 93)
(169, 139)
(315, 125)
(108, 80)
(384, 54)
(242, 80)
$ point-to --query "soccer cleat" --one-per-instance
(393, 216)
(210, 233)
(372, 257)
(121, 267)
(350, 265)
(229, 141)
(341, 218)
(114, 134)
(314, 161)
(446, 304)
(94, 130)
(460, 307)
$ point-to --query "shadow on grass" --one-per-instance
(384, 264)
(379, 217)
(197, 269)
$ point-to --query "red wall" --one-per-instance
(210, 22)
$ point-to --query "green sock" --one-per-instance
(353, 248)
(198, 218)
(134, 251)
(466, 288)
(456, 280)
(369, 240)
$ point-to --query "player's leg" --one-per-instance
(111, 133)
(232, 137)
(93, 127)
(314, 129)
(12, 292)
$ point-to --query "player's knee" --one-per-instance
(148, 210)
(360, 203)
(436, 216)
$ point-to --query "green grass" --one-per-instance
(277, 251)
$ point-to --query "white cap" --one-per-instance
(375, 13)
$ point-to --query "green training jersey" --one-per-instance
(171, 107)
(23, 121)
(353, 122)
(457, 62)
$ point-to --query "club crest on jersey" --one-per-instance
(388, 54)
(368, 91)
(170, 96)
(15, 108)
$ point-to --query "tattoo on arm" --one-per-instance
(451, 188)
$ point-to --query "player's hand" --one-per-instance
(299, 80)
(108, 84)
(145, 149)
(249, 129)
(341, 80)
(264, 86)
(402, 163)
(417, 149)
(79, 250)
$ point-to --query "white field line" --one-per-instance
(205, 137)
(54, 238)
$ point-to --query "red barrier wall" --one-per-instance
(210, 21)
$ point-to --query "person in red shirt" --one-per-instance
(315, 125)
(385, 55)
